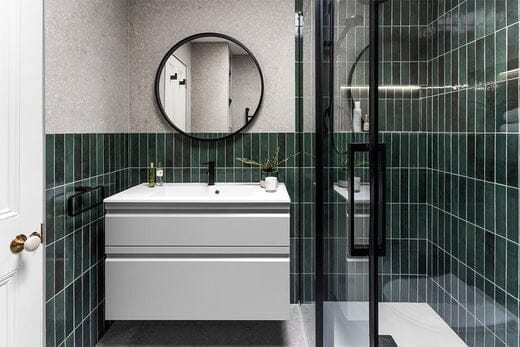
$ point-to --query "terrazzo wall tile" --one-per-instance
(86, 69)
(265, 27)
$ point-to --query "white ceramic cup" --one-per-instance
(271, 184)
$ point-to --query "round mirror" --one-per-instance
(209, 86)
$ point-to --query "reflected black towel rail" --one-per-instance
(81, 192)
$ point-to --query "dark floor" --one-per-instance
(207, 333)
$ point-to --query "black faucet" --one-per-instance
(211, 173)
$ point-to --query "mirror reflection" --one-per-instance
(210, 87)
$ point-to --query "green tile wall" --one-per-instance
(75, 246)
(74, 277)
(473, 190)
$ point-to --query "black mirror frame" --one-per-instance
(186, 40)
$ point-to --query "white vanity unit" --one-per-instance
(197, 252)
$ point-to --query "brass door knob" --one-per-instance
(22, 242)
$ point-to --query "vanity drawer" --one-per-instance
(197, 229)
(197, 288)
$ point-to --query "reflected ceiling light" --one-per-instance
(406, 87)
(510, 73)
(387, 87)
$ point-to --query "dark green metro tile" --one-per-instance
(186, 151)
(471, 238)
(500, 106)
(59, 312)
(480, 157)
(59, 260)
(512, 214)
(68, 158)
(93, 155)
(59, 159)
(480, 18)
(100, 154)
(480, 110)
(133, 150)
(152, 149)
(501, 52)
(69, 259)
(161, 149)
(490, 256)
(512, 11)
(49, 324)
(260, 142)
(69, 310)
(500, 159)
(107, 148)
(512, 160)
(77, 157)
(177, 151)
(500, 265)
(49, 162)
(500, 14)
(480, 70)
(59, 212)
(143, 151)
(479, 250)
(168, 150)
(490, 16)
(479, 203)
(489, 165)
(490, 118)
(512, 47)
(512, 268)
(49, 272)
(85, 156)
(511, 106)
(500, 210)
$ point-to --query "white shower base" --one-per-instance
(410, 324)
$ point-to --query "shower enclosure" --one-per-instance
(416, 213)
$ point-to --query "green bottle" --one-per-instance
(151, 176)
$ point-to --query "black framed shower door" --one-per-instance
(337, 237)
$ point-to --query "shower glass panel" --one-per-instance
(346, 189)
(447, 173)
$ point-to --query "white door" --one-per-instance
(21, 171)
(175, 91)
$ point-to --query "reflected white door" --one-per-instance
(175, 91)
(21, 171)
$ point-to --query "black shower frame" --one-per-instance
(321, 144)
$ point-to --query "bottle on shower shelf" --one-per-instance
(356, 117)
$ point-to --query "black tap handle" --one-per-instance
(211, 164)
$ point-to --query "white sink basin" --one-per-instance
(201, 192)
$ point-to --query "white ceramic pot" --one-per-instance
(271, 184)
(346, 184)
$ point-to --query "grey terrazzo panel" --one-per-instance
(86, 66)
(265, 27)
